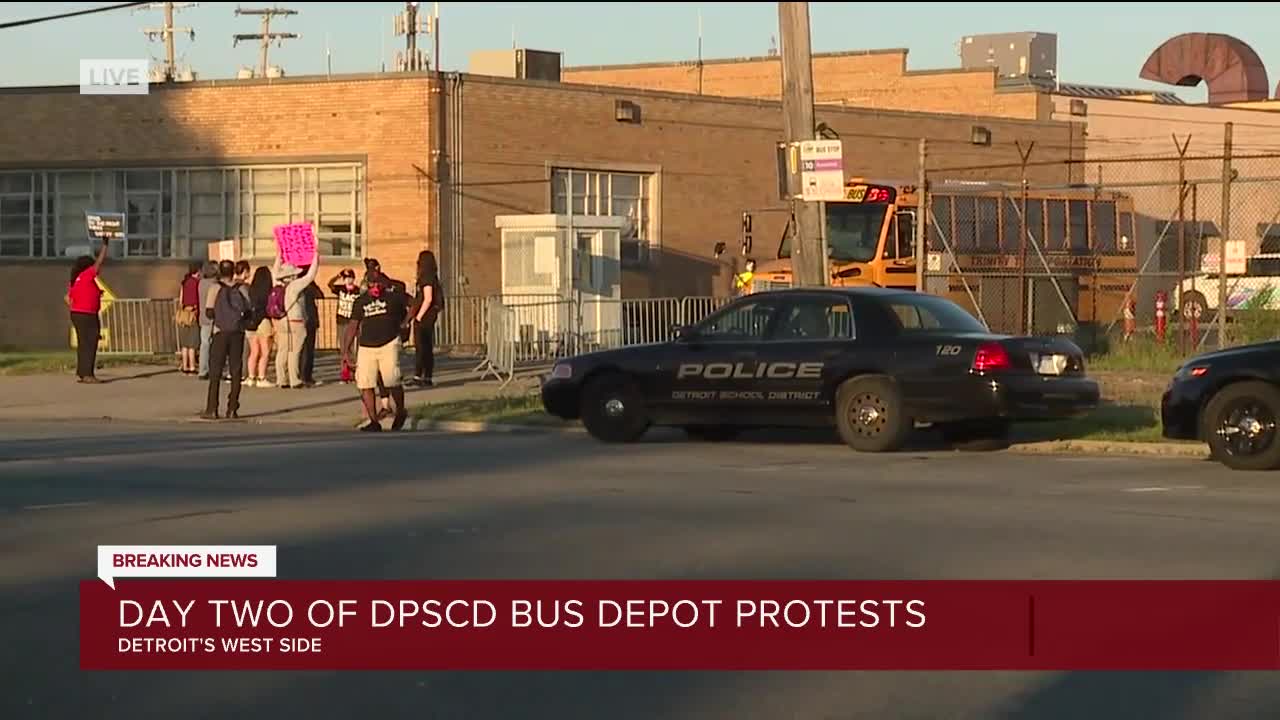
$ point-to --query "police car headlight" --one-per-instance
(562, 371)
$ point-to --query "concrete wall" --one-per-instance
(870, 79)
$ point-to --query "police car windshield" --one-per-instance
(925, 313)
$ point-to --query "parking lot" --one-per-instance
(425, 505)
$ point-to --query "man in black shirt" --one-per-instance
(381, 311)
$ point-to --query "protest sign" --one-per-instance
(296, 243)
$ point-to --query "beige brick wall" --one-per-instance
(381, 119)
(715, 159)
(873, 79)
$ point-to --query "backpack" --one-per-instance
(275, 303)
(230, 310)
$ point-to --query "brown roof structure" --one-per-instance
(1230, 68)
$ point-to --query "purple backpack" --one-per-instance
(275, 303)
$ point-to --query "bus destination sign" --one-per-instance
(863, 193)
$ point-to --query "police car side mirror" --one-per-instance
(682, 333)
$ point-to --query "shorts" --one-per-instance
(380, 361)
(265, 329)
(189, 336)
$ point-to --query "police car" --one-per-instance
(1229, 399)
(873, 362)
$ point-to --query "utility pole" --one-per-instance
(266, 36)
(411, 24)
(166, 34)
(807, 258)
(1225, 231)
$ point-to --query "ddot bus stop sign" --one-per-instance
(821, 170)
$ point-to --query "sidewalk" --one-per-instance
(163, 394)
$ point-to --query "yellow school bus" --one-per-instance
(1078, 257)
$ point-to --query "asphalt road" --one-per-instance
(341, 504)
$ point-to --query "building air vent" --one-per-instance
(517, 63)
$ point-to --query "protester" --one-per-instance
(242, 281)
(229, 309)
(259, 330)
(84, 299)
(373, 267)
(381, 312)
(290, 326)
(428, 302)
(344, 287)
(208, 281)
(311, 297)
(188, 319)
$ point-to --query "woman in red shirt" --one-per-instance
(84, 297)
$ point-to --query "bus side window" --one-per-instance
(905, 220)
(890, 241)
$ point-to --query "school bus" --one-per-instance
(1078, 266)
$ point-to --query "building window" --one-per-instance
(599, 192)
(178, 212)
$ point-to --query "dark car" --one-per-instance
(1229, 399)
(873, 362)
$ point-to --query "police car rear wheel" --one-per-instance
(711, 433)
(1241, 424)
(869, 415)
(613, 409)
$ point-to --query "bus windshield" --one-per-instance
(853, 232)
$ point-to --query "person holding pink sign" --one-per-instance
(289, 316)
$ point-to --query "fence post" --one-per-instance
(922, 209)
(1024, 290)
(1225, 234)
(1182, 237)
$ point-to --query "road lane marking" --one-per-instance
(58, 506)
(1146, 489)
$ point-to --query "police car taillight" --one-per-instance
(991, 357)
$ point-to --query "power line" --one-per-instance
(48, 18)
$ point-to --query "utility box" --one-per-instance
(1014, 55)
(517, 63)
(562, 275)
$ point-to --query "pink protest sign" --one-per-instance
(296, 243)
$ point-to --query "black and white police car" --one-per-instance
(874, 362)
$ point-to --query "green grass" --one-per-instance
(516, 410)
(64, 361)
(1110, 422)
(1139, 355)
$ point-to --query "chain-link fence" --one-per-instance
(1131, 251)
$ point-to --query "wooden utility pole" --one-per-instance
(166, 34)
(1225, 232)
(266, 36)
(809, 266)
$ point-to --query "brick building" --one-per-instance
(200, 162)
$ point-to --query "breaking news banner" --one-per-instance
(222, 608)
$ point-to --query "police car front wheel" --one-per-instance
(869, 414)
(613, 409)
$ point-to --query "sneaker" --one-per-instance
(371, 426)
(206, 415)
(265, 383)
(299, 386)
(233, 415)
(317, 383)
(399, 422)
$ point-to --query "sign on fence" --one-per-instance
(296, 243)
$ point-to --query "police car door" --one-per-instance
(713, 369)
(812, 332)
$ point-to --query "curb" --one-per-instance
(465, 426)
(1190, 451)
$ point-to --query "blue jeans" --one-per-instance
(206, 337)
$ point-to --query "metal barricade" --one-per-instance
(140, 326)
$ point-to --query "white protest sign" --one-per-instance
(185, 561)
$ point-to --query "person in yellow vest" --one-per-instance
(742, 281)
